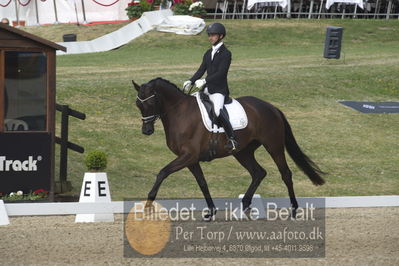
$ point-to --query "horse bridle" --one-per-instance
(150, 118)
(154, 117)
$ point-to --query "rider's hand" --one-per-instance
(186, 86)
(200, 83)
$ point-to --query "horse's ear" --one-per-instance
(136, 86)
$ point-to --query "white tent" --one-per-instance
(329, 3)
(35, 12)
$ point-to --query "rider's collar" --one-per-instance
(217, 46)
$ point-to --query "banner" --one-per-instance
(25, 162)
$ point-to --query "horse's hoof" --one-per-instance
(247, 212)
(149, 208)
(209, 216)
(293, 213)
(149, 203)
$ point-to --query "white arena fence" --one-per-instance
(313, 9)
(117, 207)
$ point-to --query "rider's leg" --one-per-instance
(212, 115)
(218, 102)
(232, 143)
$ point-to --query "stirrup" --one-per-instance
(231, 145)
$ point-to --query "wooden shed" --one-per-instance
(27, 111)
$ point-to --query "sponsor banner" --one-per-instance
(25, 162)
(176, 229)
(373, 107)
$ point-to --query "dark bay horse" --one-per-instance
(187, 137)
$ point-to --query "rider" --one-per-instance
(216, 61)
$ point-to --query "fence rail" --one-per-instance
(71, 208)
(302, 15)
(64, 143)
(236, 9)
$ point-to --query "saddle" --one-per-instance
(236, 113)
(210, 108)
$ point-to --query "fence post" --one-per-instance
(64, 143)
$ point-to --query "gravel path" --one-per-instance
(354, 236)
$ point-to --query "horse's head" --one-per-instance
(148, 104)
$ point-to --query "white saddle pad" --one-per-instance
(237, 115)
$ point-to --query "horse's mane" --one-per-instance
(170, 84)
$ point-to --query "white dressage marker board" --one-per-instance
(95, 189)
(3, 214)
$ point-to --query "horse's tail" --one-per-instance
(301, 160)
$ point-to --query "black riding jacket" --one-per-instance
(217, 69)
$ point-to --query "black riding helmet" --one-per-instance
(216, 28)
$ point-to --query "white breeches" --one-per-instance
(217, 99)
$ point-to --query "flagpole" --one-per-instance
(55, 13)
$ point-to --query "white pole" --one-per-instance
(16, 12)
(343, 12)
(321, 6)
(300, 8)
(224, 9)
(84, 13)
(389, 9)
(311, 9)
(216, 9)
(37, 13)
(243, 9)
(76, 12)
(234, 8)
(376, 8)
(55, 13)
(354, 13)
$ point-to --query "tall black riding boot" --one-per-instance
(232, 144)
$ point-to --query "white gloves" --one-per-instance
(186, 86)
(200, 83)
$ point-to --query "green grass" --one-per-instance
(279, 61)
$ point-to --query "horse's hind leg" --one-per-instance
(246, 158)
(196, 170)
(286, 175)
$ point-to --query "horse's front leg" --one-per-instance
(177, 164)
(199, 176)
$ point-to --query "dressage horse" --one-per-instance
(187, 137)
